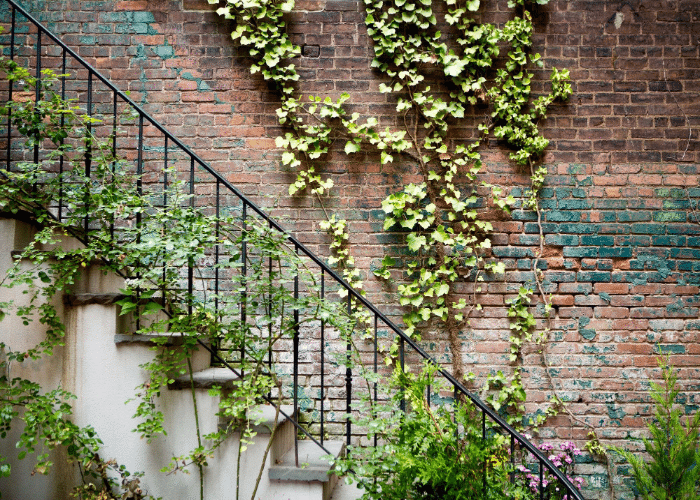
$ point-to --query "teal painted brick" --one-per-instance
(634, 216)
(668, 241)
(562, 216)
(562, 192)
(588, 265)
(676, 193)
(546, 193)
(615, 228)
(513, 252)
(574, 204)
(635, 241)
(619, 253)
(608, 216)
(619, 204)
(594, 276)
(523, 264)
(561, 276)
(684, 229)
(143, 17)
(639, 277)
(549, 204)
(579, 193)
(580, 228)
(686, 265)
(648, 229)
(603, 265)
(527, 239)
(580, 252)
(669, 349)
(561, 240)
(547, 227)
(675, 204)
(637, 265)
(113, 17)
(598, 240)
(524, 215)
(669, 216)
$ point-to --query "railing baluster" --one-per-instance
(512, 459)
(348, 380)
(63, 123)
(244, 270)
(483, 438)
(376, 366)
(541, 480)
(296, 360)
(323, 351)
(403, 366)
(88, 153)
(9, 91)
(139, 190)
(190, 264)
(37, 91)
(114, 154)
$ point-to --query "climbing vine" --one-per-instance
(488, 70)
(154, 237)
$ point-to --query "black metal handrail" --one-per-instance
(354, 299)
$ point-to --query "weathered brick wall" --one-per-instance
(622, 233)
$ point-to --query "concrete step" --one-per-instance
(206, 379)
(313, 478)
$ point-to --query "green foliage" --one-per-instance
(672, 471)
(429, 451)
(443, 230)
(155, 245)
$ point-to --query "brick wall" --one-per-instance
(622, 233)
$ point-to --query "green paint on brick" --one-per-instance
(604, 296)
(669, 216)
(580, 252)
(616, 253)
(598, 240)
(669, 349)
(561, 240)
(562, 216)
(648, 229)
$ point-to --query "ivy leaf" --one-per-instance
(473, 5)
(415, 242)
(351, 147)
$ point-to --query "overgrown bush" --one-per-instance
(673, 469)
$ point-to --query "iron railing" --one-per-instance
(154, 150)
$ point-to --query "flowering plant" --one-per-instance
(564, 460)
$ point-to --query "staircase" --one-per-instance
(321, 389)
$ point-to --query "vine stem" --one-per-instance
(545, 342)
(196, 423)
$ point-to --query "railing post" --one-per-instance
(9, 91)
(296, 359)
(348, 379)
(37, 91)
(244, 270)
(88, 153)
(323, 351)
(63, 123)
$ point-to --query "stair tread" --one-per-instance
(205, 379)
(312, 467)
(263, 417)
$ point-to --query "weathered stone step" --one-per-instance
(206, 379)
(312, 467)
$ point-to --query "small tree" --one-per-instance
(673, 473)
